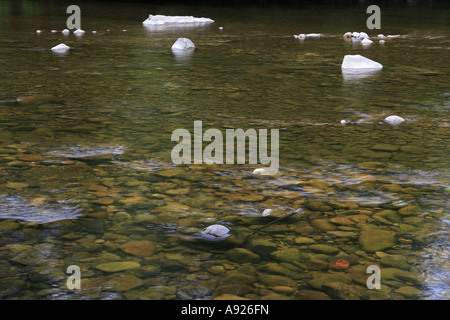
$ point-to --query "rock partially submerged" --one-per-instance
(360, 63)
(79, 32)
(183, 44)
(60, 48)
(366, 42)
(302, 36)
(215, 232)
(394, 120)
(161, 20)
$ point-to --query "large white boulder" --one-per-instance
(360, 63)
(60, 48)
(183, 44)
(160, 20)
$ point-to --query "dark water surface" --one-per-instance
(86, 176)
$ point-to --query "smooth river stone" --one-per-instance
(141, 248)
(374, 238)
(117, 266)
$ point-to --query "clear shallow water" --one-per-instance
(94, 140)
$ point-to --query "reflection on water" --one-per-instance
(15, 207)
(86, 176)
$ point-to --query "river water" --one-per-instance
(85, 154)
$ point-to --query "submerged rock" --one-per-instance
(374, 238)
(117, 266)
(359, 62)
(216, 232)
(140, 248)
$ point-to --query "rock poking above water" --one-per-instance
(60, 48)
(366, 41)
(183, 44)
(359, 62)
(160, 20)
(394, 120)
(216, 232)
(79, 32)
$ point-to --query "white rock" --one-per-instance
(94, 31)
(366, 42)
(266, 212)
(160, 20)
(220, 28)
(344, 121)
(260, 171)
(301, 36)
(394, 120)
(355, 34)
(359, 62)
(381, 36)
(347, 35)
(65, 32)
(393, 36)
(79, 32)
(38, 31)
(216, 232)
(183, 44)
(60, 48)
(314, 35)
(382, 41)
(54, 31)
(363, 35)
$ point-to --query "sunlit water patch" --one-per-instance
(17, 207)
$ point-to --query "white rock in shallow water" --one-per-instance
(38, 31)
(363, 35)
(216, 232)
(347, 35)
(381, 36)
(79, 32)
(366, 42)
(359, 62)
(183, 44)
(160, 20)
(314, 35)
(65, 32)
(260, 171)
(61, 47)
(382, 41)
(394, 120)
(266, 212)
